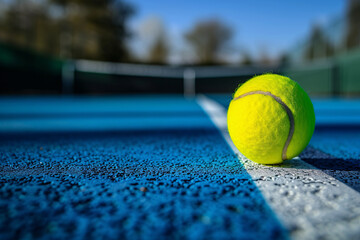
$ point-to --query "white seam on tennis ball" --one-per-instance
(287, 110)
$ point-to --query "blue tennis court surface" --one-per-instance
(152, 167)
(140, 167)
(94, 114)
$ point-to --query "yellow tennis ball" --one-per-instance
(270, 119)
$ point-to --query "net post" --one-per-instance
(189, 82)
(67, 77)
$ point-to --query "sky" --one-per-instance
(271, 26)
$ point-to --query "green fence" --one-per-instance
(25, 71)
(16, 57)
(338, 76)
(348, 72)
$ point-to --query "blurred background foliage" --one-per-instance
(208, 39)
(99, 30)
(68, 28)
(38, 36)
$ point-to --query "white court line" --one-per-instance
(308, 202)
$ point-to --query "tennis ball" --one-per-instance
(270, 119)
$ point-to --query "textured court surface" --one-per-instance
(178, 184)
(157, 167)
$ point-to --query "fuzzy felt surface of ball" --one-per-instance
(270, 119)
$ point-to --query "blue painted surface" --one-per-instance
(336, 151)
(26, 114)
(93, 104)
(339, 142)
(167, 180)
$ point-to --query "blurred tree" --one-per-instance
(94, 29)
(208, 39)
(246, 59)
(352, 38)
(26, 23)
(318, 46)
(152, 44)
(69, 28)
(159, 51)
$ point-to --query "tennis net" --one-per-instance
(85, 76)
